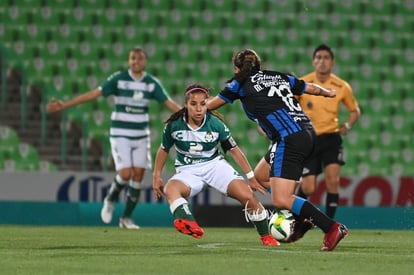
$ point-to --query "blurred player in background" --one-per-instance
(268, 99)
(196, 134)
(133, 89)
(323, 112)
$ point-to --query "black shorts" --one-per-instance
(328, 150)
(286, 158)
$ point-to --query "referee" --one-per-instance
(323, 112)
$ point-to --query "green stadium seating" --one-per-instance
(193, 41)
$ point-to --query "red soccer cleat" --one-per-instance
(189, 227)
(268, 240)
(334, 236)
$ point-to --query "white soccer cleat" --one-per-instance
(107, 210)
(127, 223)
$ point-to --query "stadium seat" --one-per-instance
(47, 166)
(98, 125)
(9, 139)
(28, 157)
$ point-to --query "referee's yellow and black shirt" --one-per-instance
(323, 111)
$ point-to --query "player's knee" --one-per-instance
(280, 202)
(248, 197)
(125, 174)
(308, 189)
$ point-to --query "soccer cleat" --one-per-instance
(300, 227)
(106, 212)
(189, 227)
(127, 223)
(334, 236)
(268, 240)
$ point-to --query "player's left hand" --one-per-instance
(330, 93)
(157, 186)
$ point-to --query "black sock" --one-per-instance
(309, 211)
(331, 204)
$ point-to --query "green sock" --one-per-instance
(262, 227)
(132, 200)
(183, 212)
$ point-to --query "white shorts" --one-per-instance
(129, 153)
(216, 173)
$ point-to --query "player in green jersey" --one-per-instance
(196, 134)
(132, 89)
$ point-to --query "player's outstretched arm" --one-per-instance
(172, 105)
(215, 103)
(315, 89)
(58, 105)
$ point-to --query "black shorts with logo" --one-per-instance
(328, 150)
(286, 158)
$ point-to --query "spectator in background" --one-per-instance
(268, 99)
(133, 89)
(196, 134)
(323, 112)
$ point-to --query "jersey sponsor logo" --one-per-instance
(189, 160)
(264, 78)
(129, 109)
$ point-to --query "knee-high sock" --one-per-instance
(331, 204)
(305, 209)
(180, 209)
(134, 191)
(116, 187)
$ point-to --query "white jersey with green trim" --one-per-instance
(195, 145)
(132, 97)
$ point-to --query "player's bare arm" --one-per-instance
(58, 105)
(315, 89)
(242, 161)
(172, 105)
(157, 183)
(215, 103)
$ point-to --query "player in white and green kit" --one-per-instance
(132, 89)
(196, 135)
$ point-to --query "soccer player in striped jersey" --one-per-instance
(323, 112)
(196, 134)
(268, 99)
(132, 89)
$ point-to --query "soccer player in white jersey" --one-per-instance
(196, 135)
(132, 89)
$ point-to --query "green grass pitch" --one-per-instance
(157, 250)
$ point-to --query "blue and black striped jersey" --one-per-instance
(268, 99)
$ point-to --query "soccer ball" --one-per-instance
(281, 225)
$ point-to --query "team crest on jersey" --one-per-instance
(209, 137)
(138, 95)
